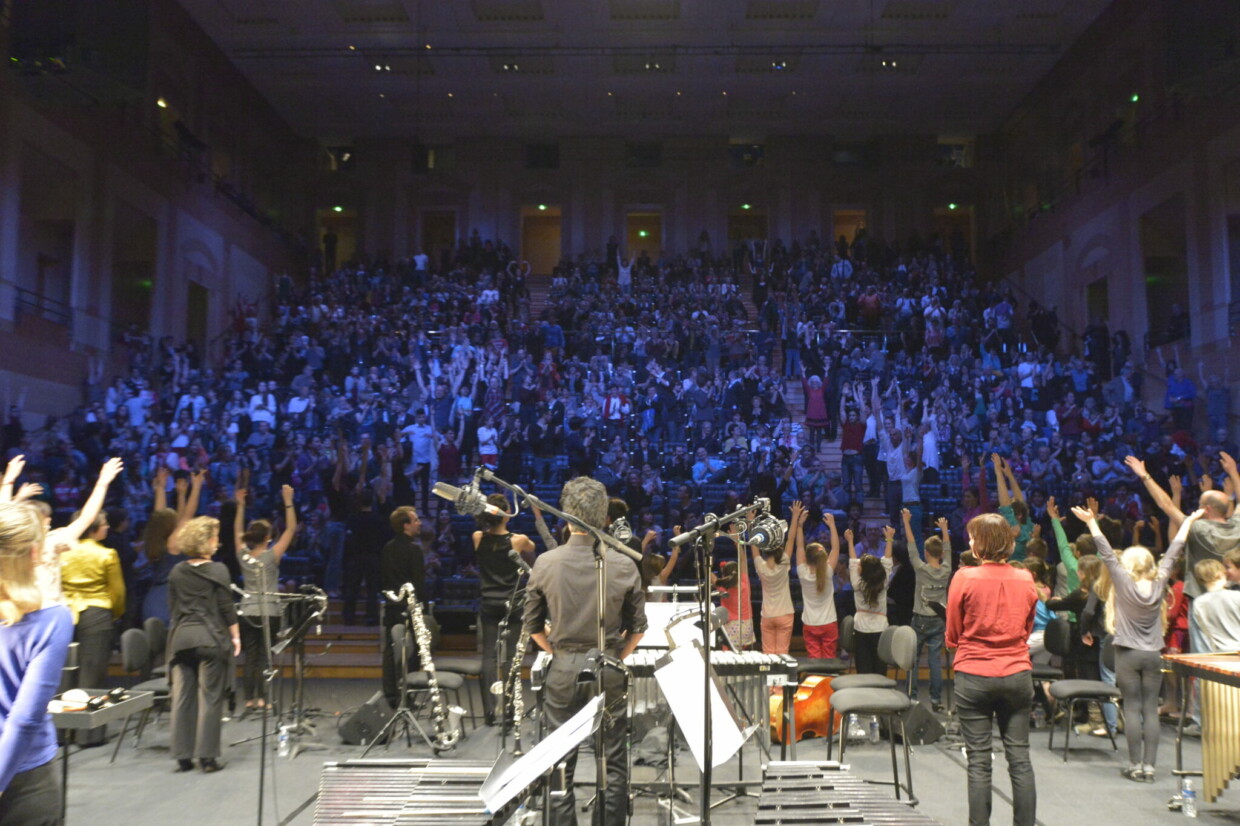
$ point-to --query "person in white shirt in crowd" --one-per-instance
(263, 405)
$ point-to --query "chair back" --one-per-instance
(884, 644)
(1108, 652)
(135, 653)
(847, 640)
(1058, 637)
(156, 636)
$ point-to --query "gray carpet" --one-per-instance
(140, 787)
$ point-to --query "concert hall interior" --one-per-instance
(541, 412)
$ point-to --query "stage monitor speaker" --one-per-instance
(366, 722)
(922, 727)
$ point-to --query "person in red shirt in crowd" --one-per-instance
(990, 611)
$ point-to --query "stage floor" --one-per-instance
(141, 788)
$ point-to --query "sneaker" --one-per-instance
(1147, 773)
(936, 706)
(1192, 730)
(1133, 773)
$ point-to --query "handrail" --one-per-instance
(45, 307)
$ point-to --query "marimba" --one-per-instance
(1218, 678)
(825, 793)
(410, 792)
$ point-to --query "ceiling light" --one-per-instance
(725, 94)
(387, 67)
(428, 45)
(893, 64)
(337, 209)
(779, 65)
(382, 95)
(378, 67)
(352, 48)
(450, 94)
(609, 94)
(951, 205)
(678, 94)
(744, 206)
(542, 207)
(161, 103)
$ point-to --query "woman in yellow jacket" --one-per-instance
(94, 589)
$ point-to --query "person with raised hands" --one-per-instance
(814, 569)
(777, 609)
(869, 575)
(260, 572)
(60, 540)
(931, 576)
(1136, 613)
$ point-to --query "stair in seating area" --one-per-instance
(540, 288)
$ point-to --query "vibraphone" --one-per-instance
(749, 674)
(408, 792)
(1218, 677)
(826, 793)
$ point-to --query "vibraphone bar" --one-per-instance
(410, 792)
(802, 792)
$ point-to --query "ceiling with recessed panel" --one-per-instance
(438, 69)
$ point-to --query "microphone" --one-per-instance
(467, 500)
(766, 533)
(620, 529)
(521, 563)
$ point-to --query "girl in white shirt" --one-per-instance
(814, 568)
(869, 575)
(777, 609)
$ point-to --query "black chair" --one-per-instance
(1095, 692)
(867, 680)
(890, 703)
(136, 659)
(157, 636)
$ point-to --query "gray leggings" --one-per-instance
(1138, 674)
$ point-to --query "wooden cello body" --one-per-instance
(811, 708)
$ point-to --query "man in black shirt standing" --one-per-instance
(562, 589)
(400, 561)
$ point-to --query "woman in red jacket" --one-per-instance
(990, 612)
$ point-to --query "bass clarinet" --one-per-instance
(445, 720)
(512, 683)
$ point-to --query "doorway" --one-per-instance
(540, 238)
(954, 224)
(438, 233)
(337, 236)
(643, 233)
(847, 222)
(196, 315)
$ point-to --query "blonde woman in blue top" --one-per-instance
(33, 643)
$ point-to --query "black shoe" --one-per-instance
(490, 720)
(210, 765)
(184, 766)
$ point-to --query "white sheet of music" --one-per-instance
(681, 682)
(515, 778)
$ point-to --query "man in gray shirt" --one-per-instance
(562, 590)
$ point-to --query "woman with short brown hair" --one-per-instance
(989, 618)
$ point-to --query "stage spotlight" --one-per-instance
(161, 103)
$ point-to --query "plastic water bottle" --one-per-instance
(283, 750)
(874, 730)
(1039, 717)
(1188, 798)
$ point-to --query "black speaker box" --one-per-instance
(366, 722)
(922, 727)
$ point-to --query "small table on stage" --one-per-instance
(1219, 676)
(71, 722)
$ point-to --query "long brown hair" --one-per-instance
(21, 532)
(873, 578)
(159, 527)
(816, 555)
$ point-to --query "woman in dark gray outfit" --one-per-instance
(201, 644)
(1136, 613)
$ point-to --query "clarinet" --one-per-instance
(512, 683)
(445, 720)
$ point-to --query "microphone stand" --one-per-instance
(602, 541)
(703, 538)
